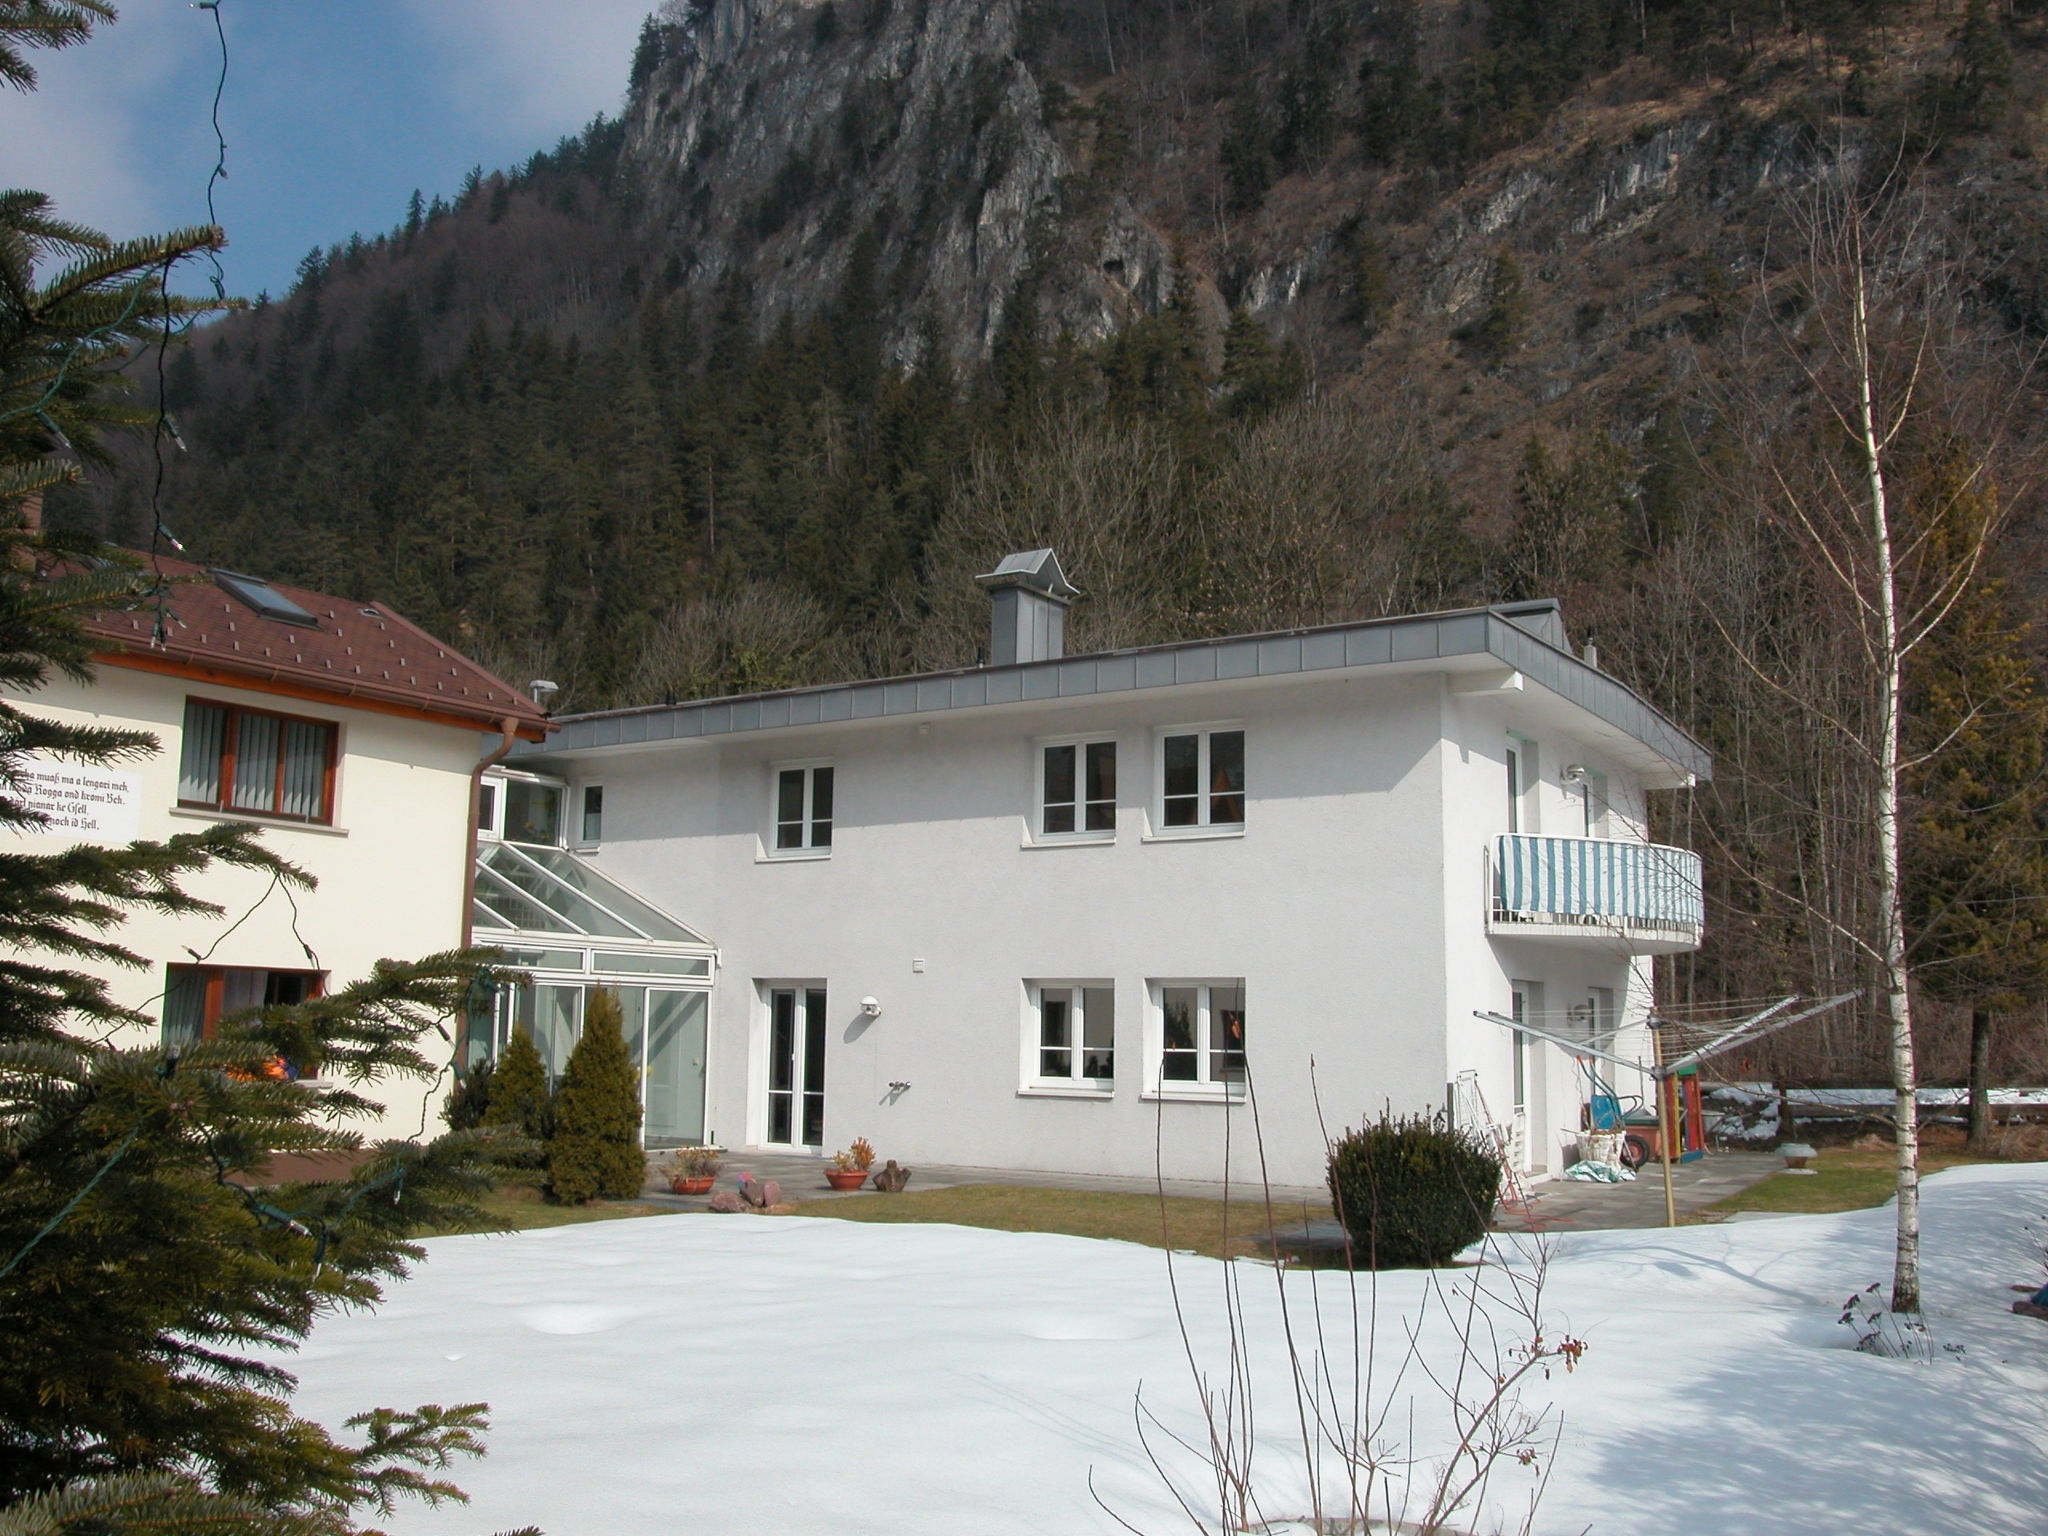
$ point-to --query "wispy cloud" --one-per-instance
(333, 113)
(95, 135)
(532, 67)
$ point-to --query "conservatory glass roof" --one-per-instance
(530, 889)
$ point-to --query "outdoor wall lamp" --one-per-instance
(872, 1007)
(1575, 773)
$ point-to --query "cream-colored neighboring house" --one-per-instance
(353, 739)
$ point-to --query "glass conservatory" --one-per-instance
(571, 929)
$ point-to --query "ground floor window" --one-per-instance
(1072, 1028)
(1201, 1030)
(198, 997)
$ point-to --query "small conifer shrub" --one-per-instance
(469, 1100)
(594, 1150)
(1412, 1191)
(520, 1102)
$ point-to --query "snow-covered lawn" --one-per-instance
(714, 1376)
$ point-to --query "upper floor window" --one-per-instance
(1201, 779)
(590, 829)
(521, 810)
(257, 763)
(803, 808)
(1593, 795)
(1077, 788)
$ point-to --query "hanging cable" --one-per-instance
(220, 160)
(159, 535)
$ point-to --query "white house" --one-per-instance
(1194, 903)
(350, 737)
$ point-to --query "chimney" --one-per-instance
(1028, 596)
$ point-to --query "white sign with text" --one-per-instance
(97, 804)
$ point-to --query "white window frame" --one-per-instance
(807, 849)
(1036, 833)
(580, 836)
(1034, 1080)
(491, 827)
(1525, 775)
(1202, 1089)
(1596, 810)
(1204, 732)
(761, 1054)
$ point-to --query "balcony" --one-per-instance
(1640, 896)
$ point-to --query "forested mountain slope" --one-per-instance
(1264, 312)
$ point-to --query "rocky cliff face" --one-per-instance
(773, 136)
(776, 145)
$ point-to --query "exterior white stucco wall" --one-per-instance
(1353, 905)
(390, 870)
(1485, 969)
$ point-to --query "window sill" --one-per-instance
(1080, 1090)
(1193, 834)
(793, 856)
(1074, 840)
(275, 823)
(1195, 1093)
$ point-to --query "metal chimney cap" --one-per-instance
(1036, 569)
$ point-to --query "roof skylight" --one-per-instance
(262, 598)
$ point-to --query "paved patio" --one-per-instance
(1558, 1205)
(1566, 1205)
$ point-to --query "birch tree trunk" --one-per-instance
(1891, 936)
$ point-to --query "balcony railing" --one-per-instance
(1581, 884)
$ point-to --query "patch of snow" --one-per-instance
(834, 1378)
(1747, 1095)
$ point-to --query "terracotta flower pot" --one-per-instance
(843, 1179)
(700, 1184)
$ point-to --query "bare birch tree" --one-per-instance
(1867, 316)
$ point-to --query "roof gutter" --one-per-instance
(297, 682)
(509, 732)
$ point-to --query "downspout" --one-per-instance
(509, 729)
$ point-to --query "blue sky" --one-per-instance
(334, 111)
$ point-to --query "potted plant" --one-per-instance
(849, 1169)
(693, 1170)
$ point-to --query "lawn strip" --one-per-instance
(522, 1208)
(1202, 1226)
(1844, 1179)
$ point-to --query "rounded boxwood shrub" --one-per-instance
(1412, 1191)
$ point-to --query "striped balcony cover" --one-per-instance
(1578, 878)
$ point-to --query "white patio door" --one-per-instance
(796, 1067)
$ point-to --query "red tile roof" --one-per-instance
(353, 652)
